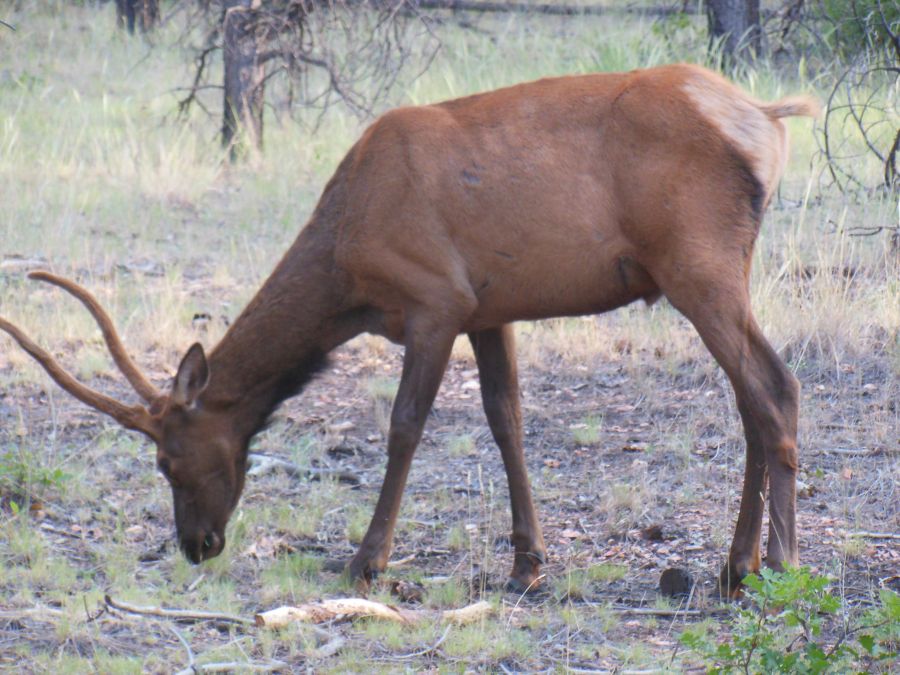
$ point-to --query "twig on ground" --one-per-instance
(852, 452)
(332, 644)
(328, 610)
(179, 614)
(196, 582)
(556, 9)
(432, 648)
(402, 561)
(187, 648)
(874, 535)
(262, 464)
(40, 613)
(651, 611)
(235, 666)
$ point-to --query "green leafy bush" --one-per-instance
(782, 630)
(861, 24)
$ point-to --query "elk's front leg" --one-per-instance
(427, 352)
(495, 353)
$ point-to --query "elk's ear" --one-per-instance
(192, 377)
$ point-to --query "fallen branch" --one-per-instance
(329, 610)
(428, 650)
(178, 614)
(393, 564)
(546, 8)
(40, 613)
(332, 644)
(263, 464)
(235, 667)
(651, 611)
(874, 535)
(852, 452)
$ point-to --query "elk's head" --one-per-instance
(198, 450)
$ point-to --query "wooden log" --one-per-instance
(329, 610)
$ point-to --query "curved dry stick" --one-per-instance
(141, 385)
(132, 417)
(180, 614)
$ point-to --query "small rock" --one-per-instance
(407, 592)
(652, 533)
(675, 582)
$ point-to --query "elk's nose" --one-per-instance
(202, 546)
(212, 545)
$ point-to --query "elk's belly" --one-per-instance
(588, 287)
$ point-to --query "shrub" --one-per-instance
(781, 630)
(861, 24)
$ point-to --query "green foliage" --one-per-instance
(861, 24)
(21, 474)
(781, 631)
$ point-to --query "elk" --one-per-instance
(560, 197)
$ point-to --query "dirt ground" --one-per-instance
(632, 474)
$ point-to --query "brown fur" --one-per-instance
(564, 196)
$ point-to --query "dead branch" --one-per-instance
(874, 535)
(861, 96)
(319, 51)
(428, 650)
(178, 614)
(348, 608)
(39, 613)
(10, 26)
(851, 452)
(651, 611)
(260, 465)
(235, 667)
(333, 643)
(546, 8)
(197, 86)
(891, 175)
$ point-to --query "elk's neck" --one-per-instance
(280, 340)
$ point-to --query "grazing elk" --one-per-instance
(560, 197)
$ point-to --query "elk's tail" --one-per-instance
(793, 106)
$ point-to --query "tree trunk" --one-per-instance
(736, 24)
(242, 124)
(143, 14)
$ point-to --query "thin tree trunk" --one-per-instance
(242, 124)
(736, 23)
(142, 14)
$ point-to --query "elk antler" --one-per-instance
(133, 417)
(141, 385)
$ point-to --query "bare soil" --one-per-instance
(642, 473)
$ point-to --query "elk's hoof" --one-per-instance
(526, 574)
(362, 574)
(731, 582)
(522, 587)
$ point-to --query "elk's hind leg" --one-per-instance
(767, 394)
(495, 353)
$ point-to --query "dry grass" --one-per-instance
(99, 182)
